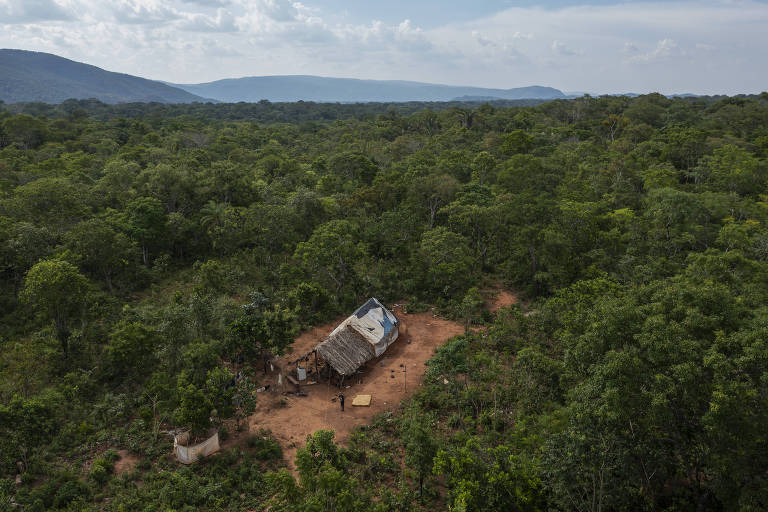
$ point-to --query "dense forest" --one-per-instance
(142, 247)
(264, 111)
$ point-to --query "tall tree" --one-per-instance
(420, 447)
(145, 221)
(332, 251)
(58, 291)
(101, 250)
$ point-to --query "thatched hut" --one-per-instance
(363, 336)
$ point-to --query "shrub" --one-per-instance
(264, 448)
(99, 474)
(414, 306)
(70, 491)
(103, 466)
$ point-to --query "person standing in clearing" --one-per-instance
(341, 401)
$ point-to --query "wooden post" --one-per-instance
(317, 373)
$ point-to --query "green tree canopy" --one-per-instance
(56, 289)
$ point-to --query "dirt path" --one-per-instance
(389, 380)
(126, 462)
(501, 299)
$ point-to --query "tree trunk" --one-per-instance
(62, 333)
(108, 278)
(534, 267)
(433, 205)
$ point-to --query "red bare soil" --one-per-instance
(389, 379)
(501, 299)
(126, 462)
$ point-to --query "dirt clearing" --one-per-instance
(389, 379)
(501, 299)
(126, 462)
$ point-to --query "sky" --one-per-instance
(600, 46)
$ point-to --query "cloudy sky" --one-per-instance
(711, 46)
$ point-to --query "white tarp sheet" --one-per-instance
(190, 454)
(375, 323)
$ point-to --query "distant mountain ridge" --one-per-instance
(35, 76)
(279, 88)
(27, 76)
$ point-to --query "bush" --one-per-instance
(414, 306)
(70, 491)
(264, 448)
(99, 474)
(104, 466)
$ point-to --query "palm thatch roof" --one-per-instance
(346, 351)
(363, 336)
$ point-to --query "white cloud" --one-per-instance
(665, 49)
(705, 47)
(561, 48)
(143, 12)
(224, 21)
(28, 11)
(213, 48)
(676, 46)
(209, 3)
(493, 51)
(631, 49)
(279, 10)
(504, 42)
(382, 37)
